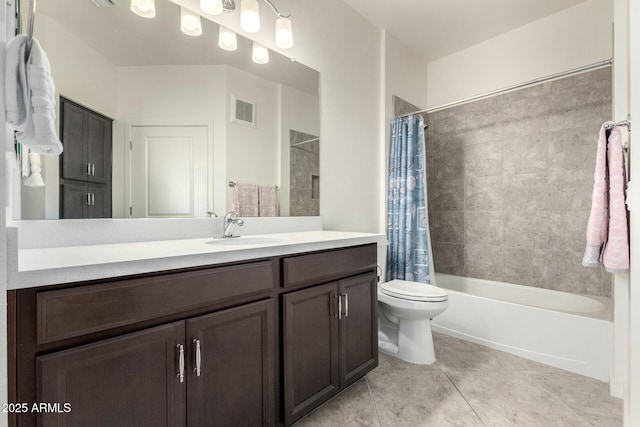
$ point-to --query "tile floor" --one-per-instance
(470, 385)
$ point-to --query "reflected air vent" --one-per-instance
(106, 3)
(243, 112)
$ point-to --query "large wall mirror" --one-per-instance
(156, 123)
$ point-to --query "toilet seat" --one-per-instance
(413, 291)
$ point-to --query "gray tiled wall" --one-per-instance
(509, 183)
(304, 163)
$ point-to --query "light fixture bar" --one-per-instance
(228, 5)
(275, 9)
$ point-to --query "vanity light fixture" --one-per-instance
(144, 8)
(190, 22)
(284, 34)
(260, 54)
(212, 7)
(227, 39)
(250, 16)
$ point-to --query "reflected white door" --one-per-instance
(168, 176)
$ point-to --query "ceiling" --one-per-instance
(432, 28)
(126, 39)
(437, 28)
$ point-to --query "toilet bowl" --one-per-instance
(405, 310)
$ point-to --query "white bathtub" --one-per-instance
(568, 331)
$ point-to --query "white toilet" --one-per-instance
(405, 310)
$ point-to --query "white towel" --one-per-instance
(30, 97)
(15, 82)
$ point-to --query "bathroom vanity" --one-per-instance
(259, 341)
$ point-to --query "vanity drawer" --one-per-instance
(73, 312)
(326, 266)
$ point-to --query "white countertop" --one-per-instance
(47, 266)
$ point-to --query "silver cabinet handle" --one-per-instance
(197, 369)
(181, 363)
(88, 199)
(346, 305)
(93, 199)
(93, 169)
(339, 307)
(88, 169)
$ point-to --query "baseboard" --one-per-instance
(617, 386)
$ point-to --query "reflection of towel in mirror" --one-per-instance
(30, 97)
(268, 196)
(245, 199)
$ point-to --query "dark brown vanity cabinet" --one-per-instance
(189, 348)
(196, 372)
(86, 162)
(329, 330)
(125, 381)
(84, 201)
(256, 343)
(87, 141)
(231, 380)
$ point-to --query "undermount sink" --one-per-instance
(242, 241)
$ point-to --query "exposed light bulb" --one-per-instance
(212, 7)
(260, 54)
(144, 8)
(250, 16)
(190, 22)
(227, 39)
(284, 34)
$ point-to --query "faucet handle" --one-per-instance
(212, 214)
(230, 215)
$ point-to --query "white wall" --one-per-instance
(253, 153)
(405, 75)
(618, 383)
(632, 404)
(574, 37)
(178, 95)
(301, 112)
(333, 39)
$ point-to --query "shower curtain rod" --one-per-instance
(306, 142)
(514, 87)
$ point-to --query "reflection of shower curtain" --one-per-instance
(407, 223)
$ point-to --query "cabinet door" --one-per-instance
(99, 148)
(358, 327)
(235, 384)
(100, 202)
(74, 203)
(72, 130)
(130, 380)
(310, 341)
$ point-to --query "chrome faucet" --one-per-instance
(230, 221)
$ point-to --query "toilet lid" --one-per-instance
(413, 291)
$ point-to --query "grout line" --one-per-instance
(553, 396)
(464, 397)
(375, 407)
